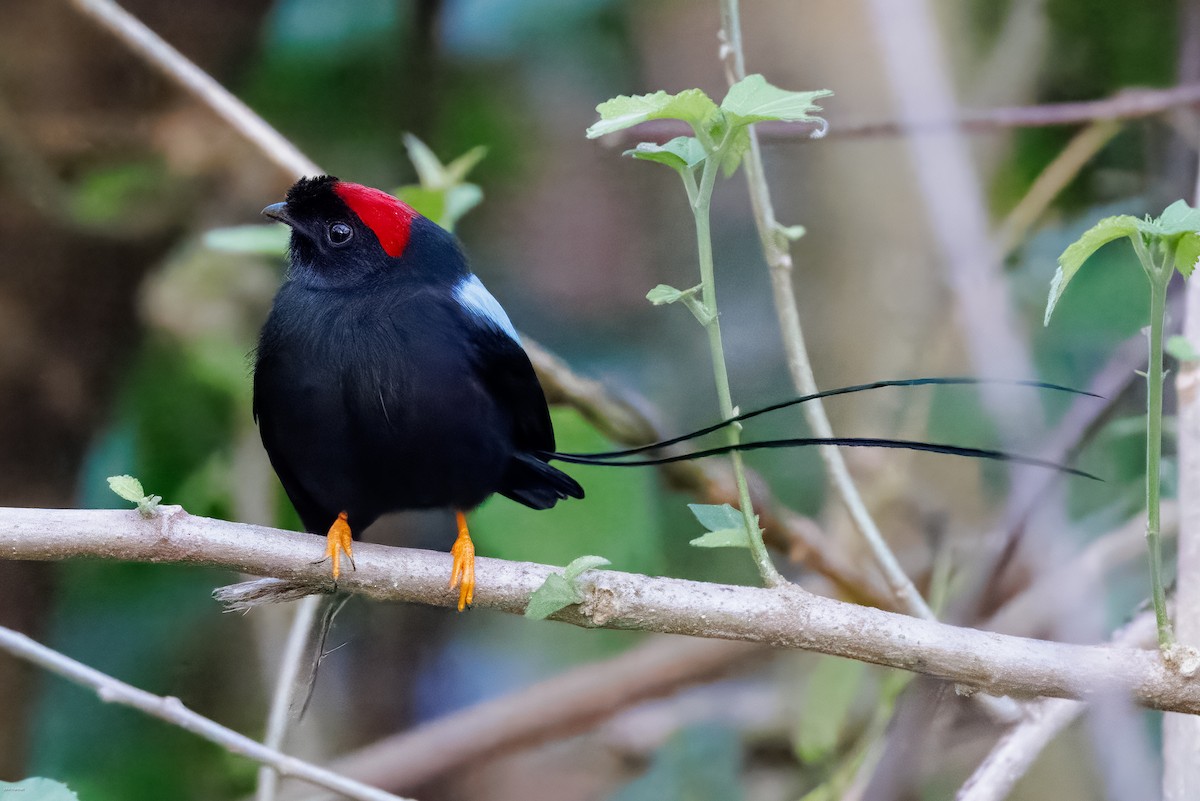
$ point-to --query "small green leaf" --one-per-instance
(127, 487)
(259, 240)
(148, 506)
(36, 789)
(1080, 250)
(430, 171)
(1187, 253)
(735, 151)
(752, 99)
(560, 590)
(724, 538)
(716, 517)
(691, 105)
(833, 686)
(459, 199)
(1182, 349)
(682, 152)
(663, 294)
(427, 201)
(1178, 218)
(457, 170)
(581, 565)
(555, 593)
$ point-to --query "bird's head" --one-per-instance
(345, 235)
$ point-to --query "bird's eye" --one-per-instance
(339, 233)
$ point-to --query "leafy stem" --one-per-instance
(1159, 275)
(701, 203)
(722, 138)
(1163, 245)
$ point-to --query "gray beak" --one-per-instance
(279, 213)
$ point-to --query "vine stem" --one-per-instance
(779, 261)
(1160, 276)
(701, 202)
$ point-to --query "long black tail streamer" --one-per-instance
(829, 393)
(801, 442)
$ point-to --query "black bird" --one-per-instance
(387, 377)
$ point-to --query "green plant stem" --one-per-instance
(701, 202)
(1160, 276)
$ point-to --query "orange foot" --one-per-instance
(338, 540)
(463, 572)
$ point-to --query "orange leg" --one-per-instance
(338, 540)
(463, 572)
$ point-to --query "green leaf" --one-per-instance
(259, 240)
(1187, 253)
(428, 202)
(663, 294)
(555, 593)
(148, 506)
(717, 517)
(682, 152)
(1178, 218)
(36, 789)
(833, 686)
(1182, 349)
(582, 565)
(560, 590)
(457, 170)
(430, 171)
(1077, 253)
(127, 487)
(458, 201)
(723, 538)
(624, 111)
(752, 99)
(735, 150)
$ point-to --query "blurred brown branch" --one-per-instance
(784, 617)
(567, 704)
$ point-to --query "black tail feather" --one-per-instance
(829, 393)
(854, 442)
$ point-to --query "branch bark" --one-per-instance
(780, 617)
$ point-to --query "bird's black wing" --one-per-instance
(504, 369)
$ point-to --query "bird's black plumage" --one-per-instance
(386, 378)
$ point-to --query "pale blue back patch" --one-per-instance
(475, 298)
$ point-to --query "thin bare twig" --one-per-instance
(781, 617)
(174, 712)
